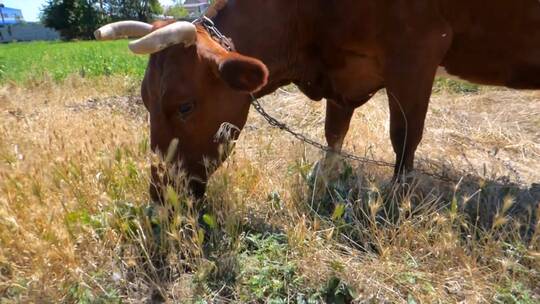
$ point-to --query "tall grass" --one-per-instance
(77, 226)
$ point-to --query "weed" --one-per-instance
(267, 273)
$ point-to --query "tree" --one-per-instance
(177, 11)
(72, 18)
(142, 10)
(80, 18)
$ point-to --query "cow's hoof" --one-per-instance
(324, 174)
(331, 182)
(406, 178)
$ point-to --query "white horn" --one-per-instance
(176, 33)
(123, 29)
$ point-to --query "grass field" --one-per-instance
(37, 61)
(76, 225)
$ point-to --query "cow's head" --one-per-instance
(193, 88)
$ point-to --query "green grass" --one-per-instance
(454, 86)
(35, 61)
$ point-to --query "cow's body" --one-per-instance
(347, 50)
(342, 50)
(339, 49)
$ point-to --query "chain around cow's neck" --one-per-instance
(214, 32)
(272, 121)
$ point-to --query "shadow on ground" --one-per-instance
(358, 197)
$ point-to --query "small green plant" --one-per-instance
(514, 293)
(338, 292)
(83, 294)
(455, 86)
(267, 273)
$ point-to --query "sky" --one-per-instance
(30, 8)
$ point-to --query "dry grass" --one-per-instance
(76, 226)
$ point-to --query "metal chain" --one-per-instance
(282, 126)
(214, 32)
(505, 163)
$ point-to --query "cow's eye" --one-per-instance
(185, 108)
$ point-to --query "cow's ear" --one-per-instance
(243, 73)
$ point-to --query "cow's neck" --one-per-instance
(269, 31)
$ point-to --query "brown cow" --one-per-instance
(343, 50)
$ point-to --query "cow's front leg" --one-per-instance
(338, 120)
(409, 75)
(409, 80)
(407, 116)
(327, 170)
